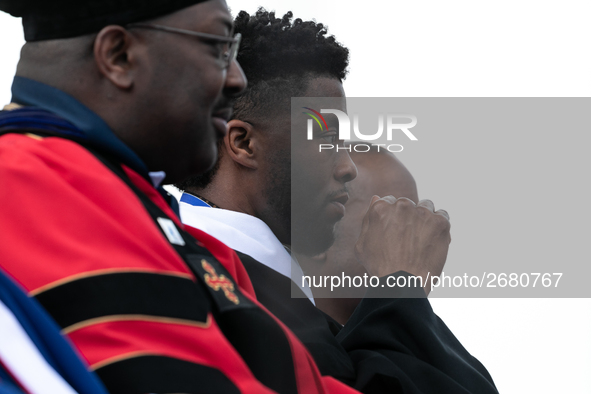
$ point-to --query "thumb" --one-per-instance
(364, 228)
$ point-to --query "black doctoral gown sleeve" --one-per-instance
(312, 326)
(400, 345)
(388, 345)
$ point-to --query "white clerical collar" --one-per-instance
(244, 233)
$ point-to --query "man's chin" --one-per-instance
(312, 242)
(204, 161)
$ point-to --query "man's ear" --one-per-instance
(241, 143)
(113, 56)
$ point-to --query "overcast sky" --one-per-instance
(454, 49)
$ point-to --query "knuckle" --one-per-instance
(426, 202)
(405, 202)
(391, 199)
(443, 225)
(443, 213)
(423, 210)
(381, 205)
(376, 211)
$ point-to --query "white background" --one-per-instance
(458, 49)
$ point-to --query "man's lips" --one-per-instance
(223, 113)
(338, 203)
(220, 120)
(341, 198)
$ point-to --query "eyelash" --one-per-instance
(333, 136)
(220, 48)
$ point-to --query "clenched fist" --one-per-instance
(397, 235)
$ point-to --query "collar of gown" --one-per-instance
(244, 233)
(28, 92)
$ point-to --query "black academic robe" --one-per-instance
(389, 345)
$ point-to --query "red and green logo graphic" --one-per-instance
(315, 115)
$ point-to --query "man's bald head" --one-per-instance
(382, 174)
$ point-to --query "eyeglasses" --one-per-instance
(229, 53)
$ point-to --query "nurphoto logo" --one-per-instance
(389, 122)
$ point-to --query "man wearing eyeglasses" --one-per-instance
(109, 98)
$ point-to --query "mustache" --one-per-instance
(336, 193)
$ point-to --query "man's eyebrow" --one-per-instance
(227, 22)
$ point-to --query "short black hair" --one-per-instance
(279, 56)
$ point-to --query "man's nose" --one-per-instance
(345, 169)
(235, 80)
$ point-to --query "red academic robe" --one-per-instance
(75, 236)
